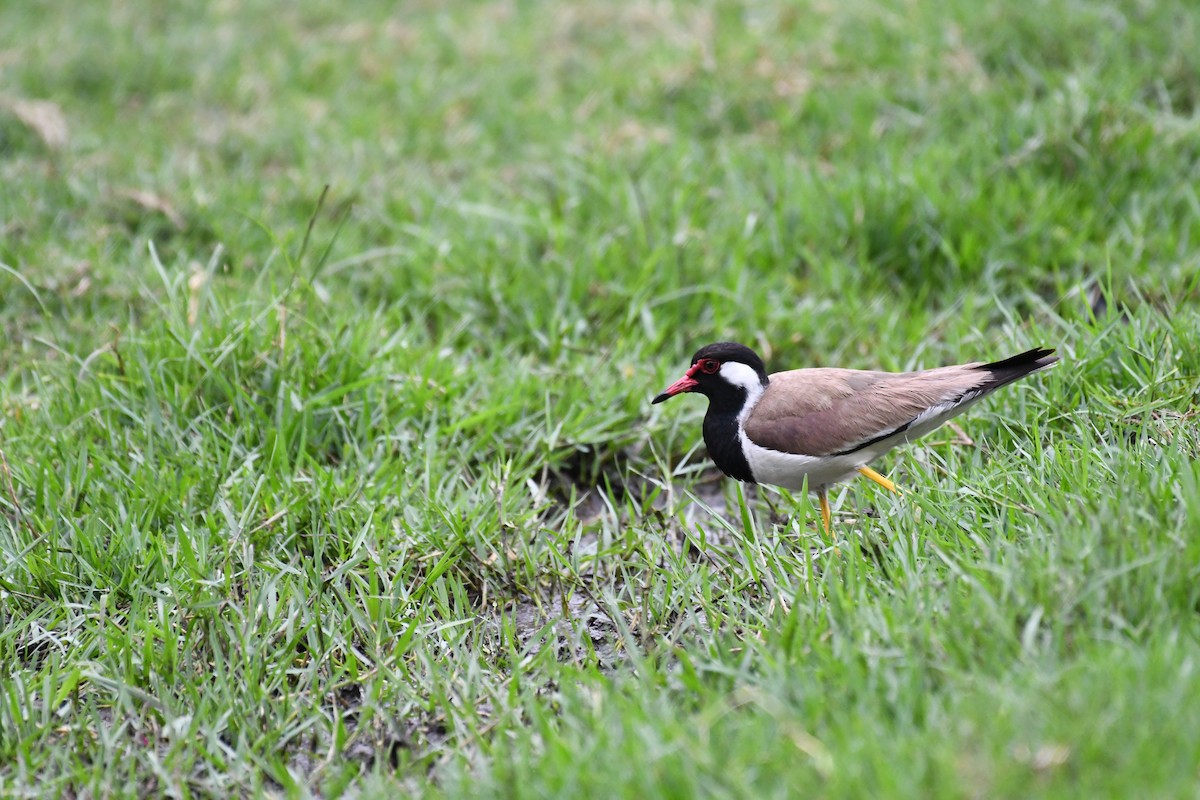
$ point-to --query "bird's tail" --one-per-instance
(1017, 367)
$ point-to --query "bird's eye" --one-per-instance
(709, 366)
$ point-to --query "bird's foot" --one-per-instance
(882, 481)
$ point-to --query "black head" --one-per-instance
(707, 376)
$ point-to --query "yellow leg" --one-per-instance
(882, 481)
(826, 514)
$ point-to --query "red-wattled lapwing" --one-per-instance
(827, 424)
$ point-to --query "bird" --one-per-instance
(824, 425)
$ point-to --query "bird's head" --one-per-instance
(718, 371)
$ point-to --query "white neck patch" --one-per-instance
(739, 374)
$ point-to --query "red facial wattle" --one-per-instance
(685, 384)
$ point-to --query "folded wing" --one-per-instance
(822, 412)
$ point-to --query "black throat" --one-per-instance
(721, 432)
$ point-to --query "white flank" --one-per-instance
(935, 417)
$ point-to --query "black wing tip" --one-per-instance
(1037, 358)
(1020, 365)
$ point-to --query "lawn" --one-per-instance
(329, 332)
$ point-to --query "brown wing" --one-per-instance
(821, 412)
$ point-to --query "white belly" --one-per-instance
(789, 470)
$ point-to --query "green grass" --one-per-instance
(304, 496)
